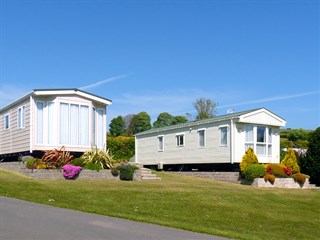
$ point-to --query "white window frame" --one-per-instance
(160, 147)
(40, 141)
(204, 138)
(220, 134)
(266, 144)
(178, 140)
(21, 117)
(78, 133)
(6, 121)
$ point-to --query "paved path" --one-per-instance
(22, 220)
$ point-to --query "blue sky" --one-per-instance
(160, 56)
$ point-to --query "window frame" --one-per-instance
(21, 117)
(6, 121)
(160, 149)
(204, 138)
(178, 140)
(266, 144)
(227, 139)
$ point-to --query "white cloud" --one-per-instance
(271, 99)
(96, 84)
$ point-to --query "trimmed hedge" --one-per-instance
(121, 148)
(126, 172)
(254, 171)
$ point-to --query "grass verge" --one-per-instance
(199, 205)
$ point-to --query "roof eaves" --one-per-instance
(196, 123)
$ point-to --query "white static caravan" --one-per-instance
(218, 140)
(51, 118)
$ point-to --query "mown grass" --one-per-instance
(199, 205)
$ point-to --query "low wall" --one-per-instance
(280, 183)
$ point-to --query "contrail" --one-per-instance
(272, 99)
(103, 82)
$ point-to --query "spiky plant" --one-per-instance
(99, 156)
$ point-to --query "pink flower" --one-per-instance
(70, 171)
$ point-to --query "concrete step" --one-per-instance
(150, 178)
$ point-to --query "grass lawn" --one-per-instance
(199, 205)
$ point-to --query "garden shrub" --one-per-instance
(99, 156)
(276, 170)
(121, 147)
(127, 172)
(290, 160)
(40, 164)
(30, 162)
(254, 171)
(270, 178)
(70, 171)
(299, 178)
(93, 166)
(78, 162)
(57, 158)
(248, 158)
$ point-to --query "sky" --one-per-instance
(160, 56)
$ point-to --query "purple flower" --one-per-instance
(70, 171)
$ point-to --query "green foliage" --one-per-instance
(205, 107)
(121, 148)
(40, 164)
(140, 123)
(310, 164)
(179, 119)
(299, 178)
(275, 169)
(164, 119)
(30, 162)
(298, 134)
(254, 171)
(99, 156)
(78, 162)
(290, 160)
(126, 172)
(93, 166)
(248, 158)
(117, 126)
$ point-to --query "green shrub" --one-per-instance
(93, 166)
(121, 147)
(30, 162)
(290, 160)
(254, 171)
(299, 178)
(270, 178)
(99, 156)
(248, 158)
(126, 172)
(276, 170)
(78, 162)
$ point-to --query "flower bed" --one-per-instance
(280, 183)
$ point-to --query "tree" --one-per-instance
(298, 134)
(164, 119)
(140, 123)
(206, 108)
(127, 120)
(117, 126)
(179, 119)
(310, 164)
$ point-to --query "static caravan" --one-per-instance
(51, 118)
(220, 140)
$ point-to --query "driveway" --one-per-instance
(22, 220)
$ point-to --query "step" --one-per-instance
(150, 178)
